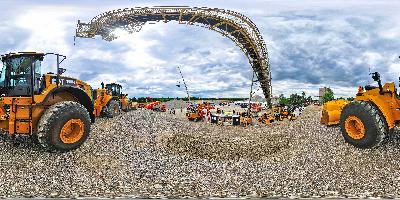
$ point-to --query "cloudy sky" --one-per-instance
(311, 43)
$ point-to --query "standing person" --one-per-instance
(205, 111)
(201, 114)
(209, 116)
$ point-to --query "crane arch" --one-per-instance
(237, 27)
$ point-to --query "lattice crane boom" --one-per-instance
(237, 27)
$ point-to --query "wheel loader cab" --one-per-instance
(21, 74)
(115, 89)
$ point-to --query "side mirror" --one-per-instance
(61, 70)
(376, 76)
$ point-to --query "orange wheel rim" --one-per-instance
(354, 127)
(72, 131)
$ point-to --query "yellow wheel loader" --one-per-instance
(109, 101)
(56, 110)
(267, 118)
(246, 119)
(123, 100)
(368, 120)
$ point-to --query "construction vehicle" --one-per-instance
(55, 110)
(279, 113)
(109, 100)
(282, 112)
(116, 91)
(159, 108)
(246, 119)
(126, 105)
(152, 105)
(195, 112)
(331, 111)
(368, 120)
(156, 106)
(266, 118)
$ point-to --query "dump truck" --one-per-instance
(368, 120)
(109, 100)
(57, 111)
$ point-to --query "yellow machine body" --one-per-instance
(280, 113)
(191, 116)
(103, 97)
(386, 101)
(246, 118)
(101, 100)
(266, 118)
(331, 111)
(24, 112)
(125, 102)
(194, 114)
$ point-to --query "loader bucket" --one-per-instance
(331, 111)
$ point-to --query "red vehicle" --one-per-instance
(256, 107)
(156, 106)
(150, 106)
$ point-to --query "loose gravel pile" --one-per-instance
(176, 104)
(149, 154)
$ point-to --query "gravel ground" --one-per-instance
(176, 104)
(148, 154)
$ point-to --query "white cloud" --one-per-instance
(329, 42)
(395, 69)
(47, 28)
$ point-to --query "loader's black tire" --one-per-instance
(49, 127)
(126, 109)
(112, 109)
(376, 128)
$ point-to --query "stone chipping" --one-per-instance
(150, 154)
